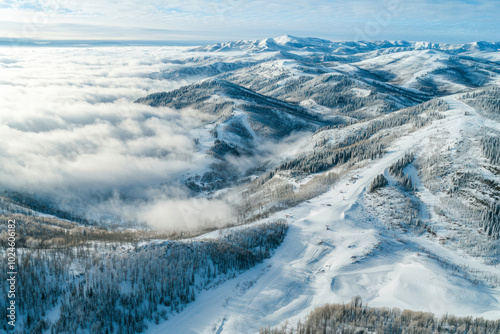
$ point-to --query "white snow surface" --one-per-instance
(316, 265)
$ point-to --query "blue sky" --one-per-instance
(452, 21)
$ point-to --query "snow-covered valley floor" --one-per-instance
(334, 250)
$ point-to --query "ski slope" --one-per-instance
(333, 252)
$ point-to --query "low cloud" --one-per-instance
(70, 133)
(190, 214)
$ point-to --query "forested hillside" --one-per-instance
(356, 318)
(121, 287)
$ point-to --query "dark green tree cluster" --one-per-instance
(379, 182)
(354, 318)
(485, 101)
(491, 149)
(109, 290)
(397, 170)
(490, 220)
(329, 157)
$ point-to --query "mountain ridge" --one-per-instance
(313, 44)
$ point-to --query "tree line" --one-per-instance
(356, 318)
(120, 288)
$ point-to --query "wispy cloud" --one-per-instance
(442, 20)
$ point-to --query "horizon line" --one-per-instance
(9, 41)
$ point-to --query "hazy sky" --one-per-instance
(211, 20)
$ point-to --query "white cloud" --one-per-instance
(182, 215)
(69, 129)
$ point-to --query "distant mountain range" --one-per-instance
(310, 44)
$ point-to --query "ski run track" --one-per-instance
(331, 253)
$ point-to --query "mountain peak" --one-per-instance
(285, 39)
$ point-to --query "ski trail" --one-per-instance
(312, 265)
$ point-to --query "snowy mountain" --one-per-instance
(314, 172)
(258, 115)
(431, 69)
(310, 44)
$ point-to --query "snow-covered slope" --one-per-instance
(335, 249)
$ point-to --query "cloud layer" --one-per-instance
(69, 130)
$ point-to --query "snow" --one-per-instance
(354, 256)
(53, 315)
(361, 92)
(238, 116)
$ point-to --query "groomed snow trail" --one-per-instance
(354, 256)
